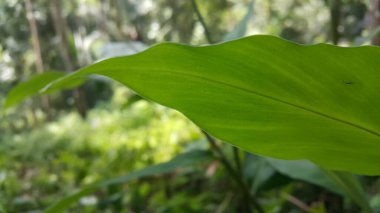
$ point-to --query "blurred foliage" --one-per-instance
(112, 140)
(47, 155)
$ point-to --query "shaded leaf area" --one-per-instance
(306, 171)
(265, 172)
(267, 96)
(177, 162)
(352, 187)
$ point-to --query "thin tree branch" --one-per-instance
(202, 21)
(295, 201)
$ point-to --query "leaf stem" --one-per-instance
(237, 159)
(295, 201)
(248, 198)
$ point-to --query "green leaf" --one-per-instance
(30, 87)
(33, 86)
(306, 171)
(352, 187)
(267, 95)
(263, 168)
(180, 161)
(257, 171)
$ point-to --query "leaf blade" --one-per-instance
(30, 87)
(267, 96)
(35, 85)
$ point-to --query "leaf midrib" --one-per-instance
(270, 98)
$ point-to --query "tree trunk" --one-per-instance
(61, 31)
(45, 103)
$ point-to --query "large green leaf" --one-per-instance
(177, 162)
(267, 95)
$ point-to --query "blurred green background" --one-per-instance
(51, 146)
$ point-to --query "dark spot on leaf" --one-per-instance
(349, 82)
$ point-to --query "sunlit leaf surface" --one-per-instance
(267, 96)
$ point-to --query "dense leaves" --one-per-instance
(180, 161)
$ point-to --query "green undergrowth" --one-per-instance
(40, 166)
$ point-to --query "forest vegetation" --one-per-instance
(91, 144)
